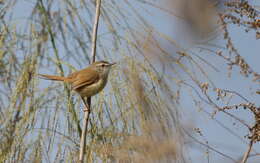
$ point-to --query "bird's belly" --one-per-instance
(91, 90)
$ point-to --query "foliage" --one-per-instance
(141, 114)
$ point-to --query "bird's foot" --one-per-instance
(86, 109)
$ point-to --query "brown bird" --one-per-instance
(86, 82)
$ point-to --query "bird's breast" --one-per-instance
(93, 89)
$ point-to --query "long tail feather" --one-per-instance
(52, 77)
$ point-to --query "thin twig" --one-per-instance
(245, 157)
(94, 32)
(88, 106)
(209, 147)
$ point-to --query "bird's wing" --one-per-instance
(82, 78)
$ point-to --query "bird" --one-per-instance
(88, 81)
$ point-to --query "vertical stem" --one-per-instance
(84, 132)
(94, 32)
(88, 107)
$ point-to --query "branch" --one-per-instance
(88, 105)
(208, 146)
(61, 70)
(246, 155)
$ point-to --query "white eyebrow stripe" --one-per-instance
(105, 63)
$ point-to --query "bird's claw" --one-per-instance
(86, 109)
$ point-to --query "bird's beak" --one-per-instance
(111, 64)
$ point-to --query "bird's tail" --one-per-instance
(52, 77)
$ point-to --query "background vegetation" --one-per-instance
(182, 91)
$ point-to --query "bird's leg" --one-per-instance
(86, 109)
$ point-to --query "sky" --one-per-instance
(216, 135)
